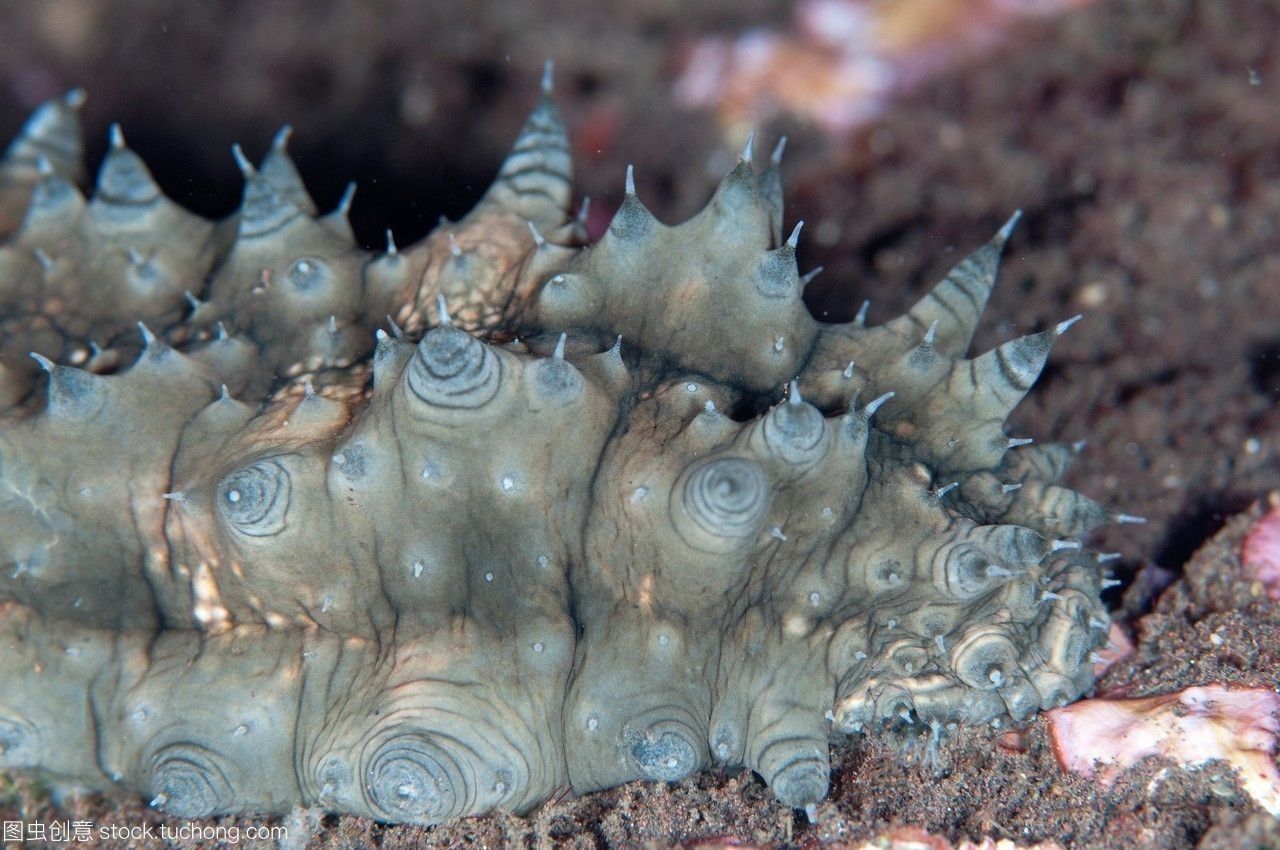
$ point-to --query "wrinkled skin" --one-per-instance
(258, 556)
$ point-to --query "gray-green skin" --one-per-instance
(278, 560)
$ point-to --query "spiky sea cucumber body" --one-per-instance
(279, 559)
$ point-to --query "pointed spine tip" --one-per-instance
(175, 496)
(45, 363)
(222, 332)
(794, 239)
(148, 338)
(308, 388)
(847, 374)
(1007, 229)
(333, 324)
(793, 394)
(629, 188)
(558, 354)
(226, 394)
(1014, 442)
(395, 329)
(549, 77)
(454, 248)
(876, 403)
(1010, 488)
(778, 149)
(809, 276)
(392, 250)
(242, 162)
(116, 136)
(584, 210)
(931, 334)
(538, 240)
(748, 150)
(281, 140)
(75, 98)
(944, 490)
(348, 196)
(44, 166)
(442, 311)
(1063, 326)
(1130, 519)
(192, 300)
(617, 344)
(861, 319)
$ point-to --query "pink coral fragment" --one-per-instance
(915, 838)
(1101, 737)
(1261, 553)
(845, 58)
(897, 838)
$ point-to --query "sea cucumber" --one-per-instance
(423, 532)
